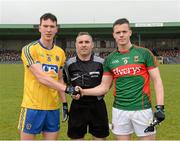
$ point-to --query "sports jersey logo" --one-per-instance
(94, 72)
(28, 126)
(115, 61)
(50, 55)
(136, 58)
(42, 55)
(50, 68)
(126, 71)
(125, 60)
(49, 59)
(57, 58)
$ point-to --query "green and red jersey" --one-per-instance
(131, 78)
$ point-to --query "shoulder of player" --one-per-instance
(71, 61)
(29, 47)
(111, 55)
(142, 50)
(98, 59)
(58, 48)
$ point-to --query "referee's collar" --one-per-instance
(91, 58)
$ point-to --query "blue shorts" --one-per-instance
(33, 121)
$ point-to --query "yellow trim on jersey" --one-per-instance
(22, 118)
(27, 53)
(36, 95)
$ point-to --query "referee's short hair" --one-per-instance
(84, 33)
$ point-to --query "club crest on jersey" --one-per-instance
(125, 60)
(49, 59)
(136, 58)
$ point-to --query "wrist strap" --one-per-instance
(65, 104)
(159, 107)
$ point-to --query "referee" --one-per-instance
(88, 114)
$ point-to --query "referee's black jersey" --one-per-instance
(86, 74)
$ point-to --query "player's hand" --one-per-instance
(72, 90)
(76, 97)
(80, 90)
(159, 116)
(65, 112)
(159, 113)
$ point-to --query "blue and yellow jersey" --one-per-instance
(37, 95)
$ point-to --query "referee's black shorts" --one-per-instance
(88, 117)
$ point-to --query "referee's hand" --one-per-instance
(77, 96)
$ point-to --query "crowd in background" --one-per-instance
(10, 55)
(157, 52)
(14, 56)
(168, 52)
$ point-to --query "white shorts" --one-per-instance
(128, 122)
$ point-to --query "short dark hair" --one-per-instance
(84, 33)
(47, 16)
(121, 21)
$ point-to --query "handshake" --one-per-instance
(72, 90)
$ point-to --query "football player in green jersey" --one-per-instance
(130, 68)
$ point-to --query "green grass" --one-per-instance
(11, 86)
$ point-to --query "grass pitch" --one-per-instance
(11, 89)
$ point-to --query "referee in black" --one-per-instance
(89, 113)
